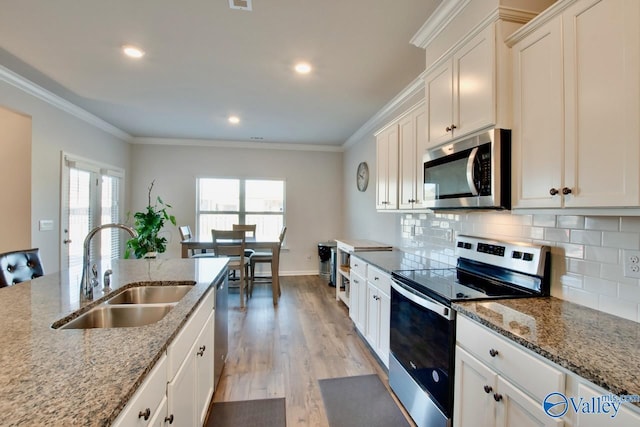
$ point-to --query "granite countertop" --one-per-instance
(85, 377)
(395, 259)
(597, 346)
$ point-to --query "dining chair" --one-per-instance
(264, 257)
(185, 234)
(250, 231)
(20, 266)
(229, 243)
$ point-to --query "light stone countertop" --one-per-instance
(599, 347)
(85, 377)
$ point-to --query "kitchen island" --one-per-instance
(86, 376)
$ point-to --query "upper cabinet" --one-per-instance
(400, 146)
(461, 90)
(576, 107)
(387, 168)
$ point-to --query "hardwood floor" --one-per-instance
(283, 351)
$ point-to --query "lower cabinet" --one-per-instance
(501, 383)
(180, 387)
(370, 306)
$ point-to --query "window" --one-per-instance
(223, 202)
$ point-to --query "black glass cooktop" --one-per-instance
(450, 284)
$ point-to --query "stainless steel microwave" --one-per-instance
(472, 173)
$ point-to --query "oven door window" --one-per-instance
(423, 341)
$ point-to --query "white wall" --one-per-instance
(313, 190)
(54, 131)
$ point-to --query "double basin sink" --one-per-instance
(136, 306)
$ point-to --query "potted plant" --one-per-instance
(148, 224)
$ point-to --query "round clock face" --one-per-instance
(362, 177)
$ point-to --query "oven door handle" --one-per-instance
(423, 301)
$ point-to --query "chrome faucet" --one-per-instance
(87, 284)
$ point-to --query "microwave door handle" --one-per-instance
(470, 161)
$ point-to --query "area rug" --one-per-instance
(361, 401)
(254, 413)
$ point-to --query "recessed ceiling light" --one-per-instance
(303, 68)
(234, 119)
(132, 51)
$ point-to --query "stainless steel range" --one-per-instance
(422, 340)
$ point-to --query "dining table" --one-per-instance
(250, 243)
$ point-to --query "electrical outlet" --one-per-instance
(631, 263)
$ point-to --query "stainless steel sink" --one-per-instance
(122, 316)
(151, 295)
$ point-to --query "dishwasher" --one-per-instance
(221, 333)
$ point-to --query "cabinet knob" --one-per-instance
(451, 128)
(493, 352)
(488, 389)
(497, 397)
(553, 191)
(169, 419)
(201, 351)
(145, 414)
(448, 129)
(566, 190)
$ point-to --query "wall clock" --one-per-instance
(362, 176)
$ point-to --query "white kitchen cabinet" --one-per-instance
(204, 369)
(461, 90)
(145, 406)
(387, 168)
(576, 109)
(491, 383)
(181, 394)
(378, 312)
(625, 416)
(485, 398)
(358, 301)
(412, 136)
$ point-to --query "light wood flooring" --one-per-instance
(283, 351)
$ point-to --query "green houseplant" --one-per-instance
(148, 224)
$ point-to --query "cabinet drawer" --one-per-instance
(179, 348)
(380, 279)
(359, 266)
(148, 397)
(531, 373)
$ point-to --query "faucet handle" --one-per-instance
(94, 276)
(107, 279)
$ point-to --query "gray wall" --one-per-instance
(313, 190)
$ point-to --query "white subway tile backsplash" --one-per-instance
(570, 221)
(621, 240)
(586, 250)
(603, 223)
(586, 237)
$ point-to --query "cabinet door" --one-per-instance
(537, 137)
(385, 323)
(387, 169)
(204, 369)
(407, 127)
(181, 393)
(161, 417)
(412, 129)
(358, 301)
(473, 404)
(601, 45)
(625, 417)
(474, 93)
(514, 408)
(373, 315)
(439, 97)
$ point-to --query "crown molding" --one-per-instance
(441, 17)
(186, 142)
(51, 98)
(382, 116)
(539, 20)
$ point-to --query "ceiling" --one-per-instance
(205, 62)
